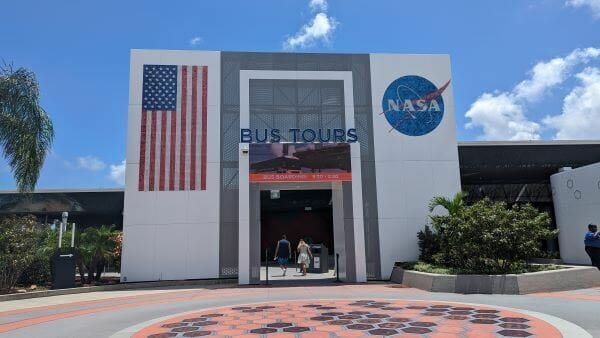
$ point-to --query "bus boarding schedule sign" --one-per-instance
(300, 162)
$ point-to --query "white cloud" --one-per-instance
(319, 28)
(502, 116)
(593, 5)
(195, 41)
(117, 173)
(90, 163)
(318, 5)
(580, 117)
(545, 75)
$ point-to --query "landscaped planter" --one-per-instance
(570, 278)
(555, 261)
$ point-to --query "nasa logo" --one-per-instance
(413, 105)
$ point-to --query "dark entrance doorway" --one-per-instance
(299, 214)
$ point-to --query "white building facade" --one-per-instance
(190, 209)
(576, 196)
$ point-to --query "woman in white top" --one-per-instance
(304, 256)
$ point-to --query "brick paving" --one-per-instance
(304, 310)
(353, 318)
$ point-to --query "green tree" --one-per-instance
(433, 243)
(26, 131)
(96, 247)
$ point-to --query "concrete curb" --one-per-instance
(116, 287)
(555, 261)
(572, 278)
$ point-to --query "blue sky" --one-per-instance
(521, 69)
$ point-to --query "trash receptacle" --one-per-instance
(320, 261)
(63, 268)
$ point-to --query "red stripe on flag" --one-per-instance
(172, 151)
(183, 125)
(163, 143)
(152, 151)
(203, 142)
(193, 129)
(142, 169)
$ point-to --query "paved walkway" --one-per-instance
(318, 310)
(292, 274)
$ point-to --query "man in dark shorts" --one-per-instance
(283, 252)
(592, 245)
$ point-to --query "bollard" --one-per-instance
(337, 267)
(267, 265)
(296, 260)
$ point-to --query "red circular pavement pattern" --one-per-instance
(353, 318)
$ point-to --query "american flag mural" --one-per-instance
(173, 128)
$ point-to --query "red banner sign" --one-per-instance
(300, 162)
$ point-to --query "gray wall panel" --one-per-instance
(349, 231)
(295, 104)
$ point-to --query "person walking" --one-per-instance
(283, 251)
(304, 256)
(592, 244)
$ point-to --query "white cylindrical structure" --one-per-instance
(73, 235)
(60, 236)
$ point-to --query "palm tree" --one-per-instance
(453, 205)
(437, 241)
(26, 131)
(96, 248)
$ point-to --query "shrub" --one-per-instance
(118, 249)
(19, 237)
(432, 268)
(487, 237)
(429, 244)
(38, 272)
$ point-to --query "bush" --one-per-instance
(118, 249)
(487, 237)
(38, 272)
(516, 269)
(26, 251)
(429, 244)
(19, 237)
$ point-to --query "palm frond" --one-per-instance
(451, 205)
(439, 201)
(26, 131)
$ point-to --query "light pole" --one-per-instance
(65, 216)
(63, 224)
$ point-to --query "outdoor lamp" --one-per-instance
(65, 216)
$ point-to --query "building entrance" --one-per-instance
(297, 214)
(301, 190)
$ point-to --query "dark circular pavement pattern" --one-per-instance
(353, 318)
